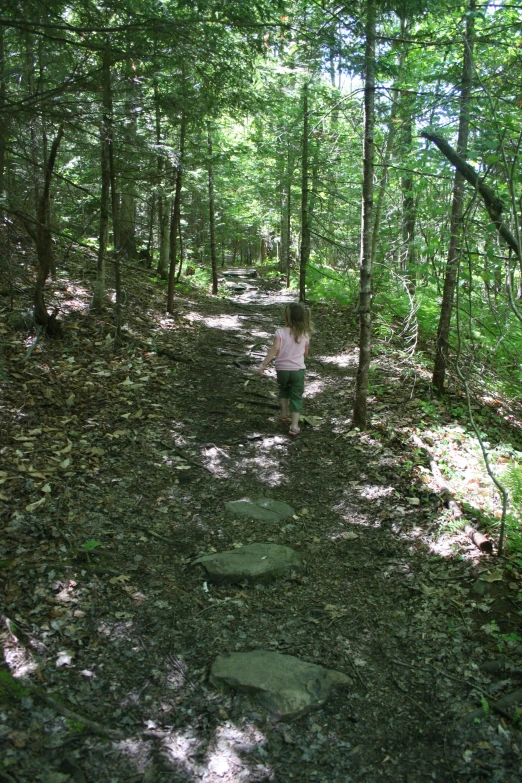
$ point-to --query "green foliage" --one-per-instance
(324, 284)
(91, 545)
(485, 705)
(512, 480)
(10, 686)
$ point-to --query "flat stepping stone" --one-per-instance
(282, 684)
(243, 272)
(264, 509)
(251, 563)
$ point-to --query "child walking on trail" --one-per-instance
(290, 347)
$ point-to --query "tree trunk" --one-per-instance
(452, 264)
(408, 205)
(127, 212)
(365, 317)
(44, 244)
(175, 220)
(105, 139)
(212, 222)
(305, 226)
(163, 201)
(3, 123)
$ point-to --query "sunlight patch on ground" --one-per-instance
(341, 359)
(224, 760)
(75, 297)
(138, 751)
(266, 462)
(180, 747)
(313, 388)
(215, 460)
(375, 492)
(19, 660)
(350, 513)
(225, 322)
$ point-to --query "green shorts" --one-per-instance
(291, 387)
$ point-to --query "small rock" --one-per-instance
(283, 684)
(251, 563)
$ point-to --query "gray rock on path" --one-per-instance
(253, 562)
(263, 509)
(282, 684)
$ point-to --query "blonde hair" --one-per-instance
(297, 318)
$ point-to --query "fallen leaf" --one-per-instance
(119, 580)
(70, 400)
(34, 506)
(46, 488)
(413, 501)
(67, 448)
(65, 463)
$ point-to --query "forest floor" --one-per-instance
(116, 466)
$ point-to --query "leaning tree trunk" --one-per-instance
(44, 244)
(175, 220)
(452, 264)
(212, 218)
(365, 317)
(305, 224)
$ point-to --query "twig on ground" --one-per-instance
(407, 696)
(39, 332)
(96, 728)
(495, 706)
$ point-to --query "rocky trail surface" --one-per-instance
(122, 469)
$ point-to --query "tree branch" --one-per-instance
(494, 205)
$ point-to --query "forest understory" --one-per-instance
(116, 464)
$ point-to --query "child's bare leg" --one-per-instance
(284, 407)
(295, 420)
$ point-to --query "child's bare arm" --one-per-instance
(272, 353)
(306, 349)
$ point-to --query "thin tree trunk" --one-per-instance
(163, 201)
(3, 124)
(212, 222)
(127, 212)
(443, 331)
(365, 317)
(150, 238)
(99, 286)
(176, 211)
(34, 151)
(44, 244)
(305, 226)
(288, 259)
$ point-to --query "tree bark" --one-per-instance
(127, 211)
(99, 286)
(3, 123)
(365, 318)
(212, 221)
(305, 226)
(44, 244)
(175, 219)
(452, 264)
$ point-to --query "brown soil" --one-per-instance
(140, 462)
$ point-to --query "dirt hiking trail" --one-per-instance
(135, 452)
